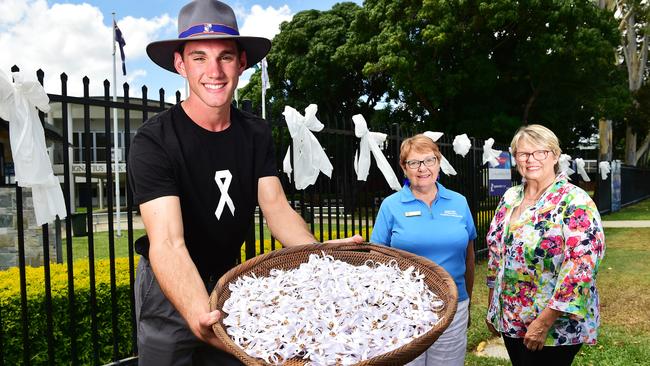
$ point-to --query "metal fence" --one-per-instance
(103, 333)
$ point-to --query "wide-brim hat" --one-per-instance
(207, 19)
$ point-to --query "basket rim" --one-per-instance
(249, 265)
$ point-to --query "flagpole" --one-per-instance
(263, 77)
(116, 150)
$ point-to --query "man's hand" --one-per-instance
(205, 331)
(357, 239)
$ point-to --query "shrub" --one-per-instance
(11, 315)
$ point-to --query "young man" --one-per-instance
(197, 172)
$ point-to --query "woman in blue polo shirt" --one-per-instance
(427, 219)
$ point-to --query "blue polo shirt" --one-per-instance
(440, 232)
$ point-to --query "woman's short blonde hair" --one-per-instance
(419, 143)
(537, 135)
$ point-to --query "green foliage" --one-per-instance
(307, 64)
(485, 67)
(12, 328)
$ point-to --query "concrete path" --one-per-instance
(627, 223)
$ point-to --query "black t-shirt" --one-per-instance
(173, 156)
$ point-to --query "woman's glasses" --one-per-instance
(415, 164)
(538, 155)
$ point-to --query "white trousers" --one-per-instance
(449, 348)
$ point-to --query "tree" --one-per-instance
(486, 67)
(306, 66)
(635, 36)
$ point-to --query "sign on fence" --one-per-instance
(500, 176)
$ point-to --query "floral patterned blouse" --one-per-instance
(549, 256)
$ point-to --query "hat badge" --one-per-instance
(207, 28)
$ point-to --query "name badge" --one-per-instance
(412, 213)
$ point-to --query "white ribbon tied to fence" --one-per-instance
(565, 164)
(444, 164)
(490, 155)
(18, 103)
(462, 144)
(370, 142)
(580, 166)
(309, 158)
(604, 168)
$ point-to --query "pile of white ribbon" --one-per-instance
(445, 166)
(18, 103)
(309, 158)
(370, 142)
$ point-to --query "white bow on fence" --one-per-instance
(580, 166)
(565, 164)
(462, 144)
(18, 103)
(370, 141)
(490, 155)
(308, 156)
(444, 164)
(604, 169)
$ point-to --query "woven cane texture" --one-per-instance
(436, 278)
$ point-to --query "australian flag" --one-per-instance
(120, 41)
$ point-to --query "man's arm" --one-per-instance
(285, 223)
(174, 269)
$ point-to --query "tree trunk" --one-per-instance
(643, 148)
(605, 139)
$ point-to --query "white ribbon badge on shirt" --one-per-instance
(223, 179)
(370, 142)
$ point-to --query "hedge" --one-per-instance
(11, 315)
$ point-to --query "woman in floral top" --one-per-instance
(545, 244)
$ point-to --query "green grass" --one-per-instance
(101, 249)
(623, 282)
(638, 211)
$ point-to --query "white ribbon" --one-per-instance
(462, 144)
(565, 164)
(18, 103)
(370, 141)
(308, 156)
(490, 155)
(513, 161)
(580, 165)
(223, 179)
(444, 164)
(604, 169)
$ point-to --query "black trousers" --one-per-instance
(164, 338)
(555, 355)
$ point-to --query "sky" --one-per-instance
(75, 37)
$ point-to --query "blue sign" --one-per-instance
(500, 176)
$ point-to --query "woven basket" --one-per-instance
(436, 278)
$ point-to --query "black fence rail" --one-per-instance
(80, 309)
